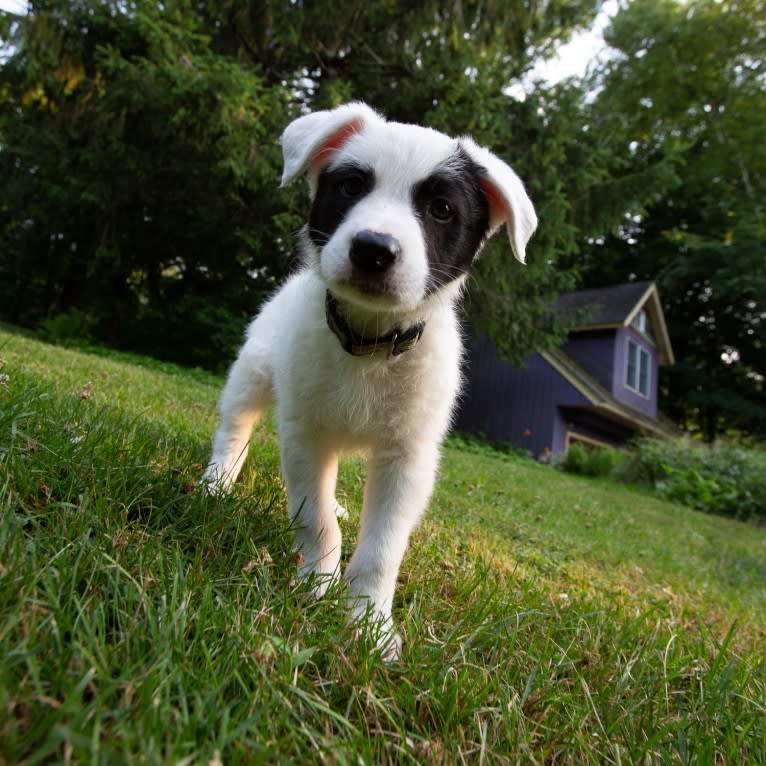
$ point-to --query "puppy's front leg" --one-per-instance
(247, 393)
(398, 488)
(310, 475)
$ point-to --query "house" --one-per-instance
(599, 388)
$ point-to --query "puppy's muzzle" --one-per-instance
(372, 253)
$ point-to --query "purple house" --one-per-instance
(599, 388)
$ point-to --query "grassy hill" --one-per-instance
(546, 618)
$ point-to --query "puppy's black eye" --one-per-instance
(441, 210)
(352, 186)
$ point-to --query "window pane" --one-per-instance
(632, 363)
(643, 373)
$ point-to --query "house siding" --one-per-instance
(647, 405)
(517, 405)
(594, 351)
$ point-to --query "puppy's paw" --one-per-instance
(390, 646)
(215, 480)
(383, 638)
(340, 511)
(321, 583)
(319, 574)
(378, 630)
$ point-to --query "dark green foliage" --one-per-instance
(135, 163)
(72, 326)
(726, 479)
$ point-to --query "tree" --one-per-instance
(135, 161)
(686, 86)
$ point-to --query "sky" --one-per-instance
(16, 6)
(572, 59)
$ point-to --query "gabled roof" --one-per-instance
(603, 401)
(617, 306)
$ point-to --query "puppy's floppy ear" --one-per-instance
(509, 203)
(310, 140)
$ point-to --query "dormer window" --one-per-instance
(637, 372)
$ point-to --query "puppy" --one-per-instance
(360, 349)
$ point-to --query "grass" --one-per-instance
(546, 618)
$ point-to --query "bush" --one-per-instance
(590, 461)
(71, 326)
(725, 479)
(199, 332)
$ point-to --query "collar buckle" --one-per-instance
(392, 349)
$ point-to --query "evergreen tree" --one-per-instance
(135, 160)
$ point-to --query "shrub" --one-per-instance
(725, 479)
(198, 332)
(590, 461)
(71, 326)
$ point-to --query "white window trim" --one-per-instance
(639, 350)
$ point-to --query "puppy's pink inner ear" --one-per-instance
(325, 151)
(498, 209)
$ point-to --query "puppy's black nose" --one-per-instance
(373, 253)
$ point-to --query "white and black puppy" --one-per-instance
(360, 350)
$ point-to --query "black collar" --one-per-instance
(396, 342)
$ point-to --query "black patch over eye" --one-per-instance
(454, 216)
(338, 190)
(441, 210)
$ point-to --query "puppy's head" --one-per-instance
(399, 211)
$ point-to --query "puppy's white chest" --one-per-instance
(365, 400)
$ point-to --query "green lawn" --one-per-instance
(546, 618)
